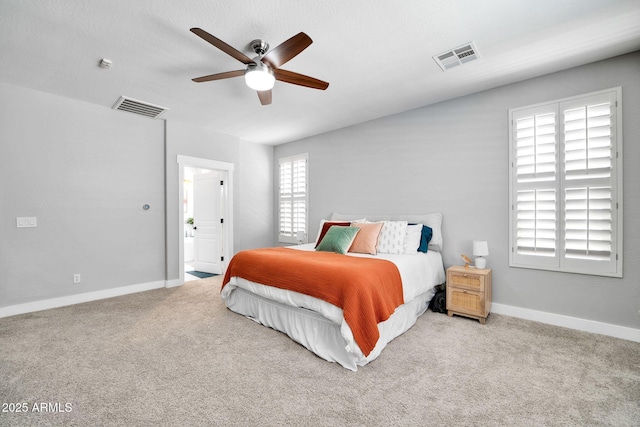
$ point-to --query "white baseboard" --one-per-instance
(30, 307)
(616, 331)
(173, 283)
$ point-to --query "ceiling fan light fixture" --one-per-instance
(261, 72)
(258, 76)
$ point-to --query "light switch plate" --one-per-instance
(26, 221)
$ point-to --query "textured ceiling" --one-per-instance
(376, 55)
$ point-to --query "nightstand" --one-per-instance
(469, 292)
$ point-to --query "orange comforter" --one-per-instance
(368, 290)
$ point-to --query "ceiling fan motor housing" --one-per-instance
(259, 46)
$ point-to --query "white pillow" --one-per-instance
(412, 241)
(392, 237)
(433, 220)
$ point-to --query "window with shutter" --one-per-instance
(293, 199)
(566, 175)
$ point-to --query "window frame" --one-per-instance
(304, 196)
(563, 182)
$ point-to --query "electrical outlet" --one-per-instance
(76, 278)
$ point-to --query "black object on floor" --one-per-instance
(439, 301)
(200, 274)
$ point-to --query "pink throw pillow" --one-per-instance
(366, 240)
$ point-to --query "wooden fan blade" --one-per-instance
(287, 50)
(265, 96)
(299, 79)
(219, 76)
(229, 50)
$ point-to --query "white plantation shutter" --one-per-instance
(566, 174)
(535, 166)
(293, 198)
(536, 222)
(535, 186)
(589, 159)
(536, 146)
(587, 135)
(588, 223)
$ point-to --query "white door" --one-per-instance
(207, 223)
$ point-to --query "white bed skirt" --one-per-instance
(329, 340)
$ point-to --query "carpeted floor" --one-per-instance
(179, 357)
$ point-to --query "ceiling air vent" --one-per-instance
(458, 56)
(138, 107)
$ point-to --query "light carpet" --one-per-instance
(178, 357)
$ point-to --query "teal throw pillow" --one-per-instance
(338, 239)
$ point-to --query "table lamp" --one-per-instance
(480, 250)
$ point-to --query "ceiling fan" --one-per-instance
(262, 71)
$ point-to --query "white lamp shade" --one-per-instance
(480, 248)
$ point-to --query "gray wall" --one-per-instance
(85, 171)
(452, 157)
(254, 216)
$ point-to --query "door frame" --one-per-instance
(226, 174)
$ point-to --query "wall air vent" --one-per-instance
(139, 107)
(458, 56)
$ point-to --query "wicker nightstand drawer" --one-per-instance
(467, 280)
(466, 301)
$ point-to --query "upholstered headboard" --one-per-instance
(433, 220)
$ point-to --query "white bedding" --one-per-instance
(319, 325)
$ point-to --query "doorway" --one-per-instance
(202, 206)
(205, 216)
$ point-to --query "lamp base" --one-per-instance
(481, 262)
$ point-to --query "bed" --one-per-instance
(344, 307)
